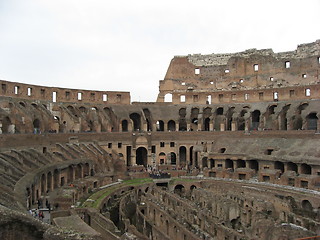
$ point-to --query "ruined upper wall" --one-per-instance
(54, 94)
(249, 70)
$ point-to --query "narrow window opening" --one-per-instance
(227, 71)
(241, 80)
(269, 151)
(79, 96)
(197, 71)
(42, 92)
(246, 96)
(195, 98)
(153, 149)
(54, 96)
(256, 67)
(29, 92)
(275, 96)
(222, 150)
(260, 95)
(171, 144)
(109, 145)
(161, 144)
(183, 83)
(16, 90)
(168, 97)
(118, 97)
(220, 97)
(104, 97)
(271, 79)
(211, 83)
(287, 64)
(233, 96)
(4, 88)
(182, 98)
(119, 145)
(308, 92)
(291, 93)
(67, 95)
(304, 75)
(208, 99)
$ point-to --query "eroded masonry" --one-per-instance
(229, 151)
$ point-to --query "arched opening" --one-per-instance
(36, 126)
(255, 120)
(86, 170)
(229, 164)
(56, 179)
(191, 156)
(49, 181)
(171, 125)
(78, 172)
(312, 121)
(183, 156)
(212, 163)
(142, 156)
(136, 119)
(305, 168)
(279, 165)
(179, 189)
(241, 163)
(70, 174)
(168, 97)
(43, 183)
(173, 158)
(307, 206)
(6, 123)
(124, 126)
(182, 119)
(292, 167)
(162, 158)
(160, 126)
(219, 111)
(204, 162)
(241, 120)
(207, 124)
(253, 164)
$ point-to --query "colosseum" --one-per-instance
(229, 151)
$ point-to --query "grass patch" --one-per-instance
(96, 198)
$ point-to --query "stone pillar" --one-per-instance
(177, 126)
(211, 126)
(145, 127)
(318, 124)
(247, 125)
(234, 126)
(222, 126)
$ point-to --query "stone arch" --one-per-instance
(78, 171)
(306, 205)
(254, 164)
(162, 158)
(182, 119)
(241, 163)
(292, 167)
(182, 155)
(49, 181)
(124, 125)
(36, 126)
(255, 120)
(136, 119)
(206, 124)
(204, 162)
(229, 164)
(179, 189)
(305, 168)
(142, 156)
(6, 123)
(171, 125)
(160, 126)
(279, 165)
(312, 121)
(173, 158)
(86, 170)
(191, 155)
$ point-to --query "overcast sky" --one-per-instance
(127, 45)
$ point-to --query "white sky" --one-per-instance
(127, 45)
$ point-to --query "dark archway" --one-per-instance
(253, 164)
(142, 156)
(136, 119)
(207, 124)
(241, 163)
(255, 120)
(160, 126)
(124, 126)
(292, 167)
(312, 121)
(183, 156)
(204, 162)
(173, 158)
(305, 168)
(279, 165)
(36, 126)
(229, 164)
(171, 125)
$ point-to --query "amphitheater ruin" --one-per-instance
(229, 151)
